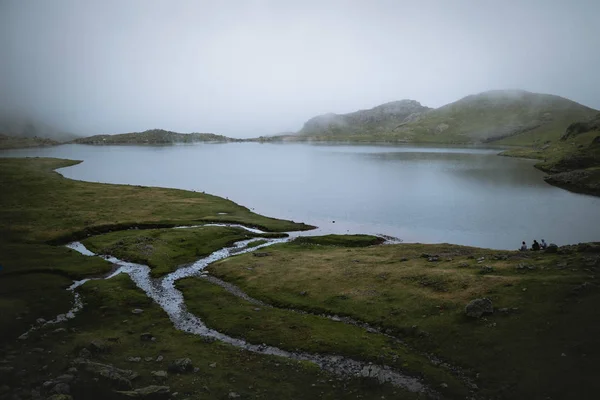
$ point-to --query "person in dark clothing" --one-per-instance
(535, 246)
(523, 247)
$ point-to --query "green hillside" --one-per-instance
(508, 117)
(153, 136)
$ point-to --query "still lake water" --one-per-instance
(419, 194)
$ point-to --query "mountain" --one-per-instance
(376, 121)
(153, 136)
(511, 117)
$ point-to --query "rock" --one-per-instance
(181, 365)
(98, 346)
(146, 337)
(40, 321)
(476, 308)
(85, 353)
(149, 392)
(137, 311)
(60, 388)
(159, 374)
(552, 248)
(233, 395)
(59, 330)
(463, 265)
(433, 259)
(148, 359)
(37, 350)
(303, 293)
(72, 370)
(444, 385)
(113, 376)
(487, 269)
(134, 359)
(159, 358)
(212, 365)
(481, 259)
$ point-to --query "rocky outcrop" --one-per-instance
(114, 377)
(577, 128)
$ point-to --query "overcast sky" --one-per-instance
(248, 68)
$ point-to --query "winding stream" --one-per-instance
(163, 292)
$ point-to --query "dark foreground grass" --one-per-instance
(543, 344)
(221, 369)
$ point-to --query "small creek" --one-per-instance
(164, 293)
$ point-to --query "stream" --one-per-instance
(163, 291)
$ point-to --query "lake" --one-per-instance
(466, 196)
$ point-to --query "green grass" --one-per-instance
(222, 369)
(163, 250)
(42, 206)
(517, 354)
(16, 142)
(304, 332)
(340, 240)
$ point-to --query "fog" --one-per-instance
(250, 68)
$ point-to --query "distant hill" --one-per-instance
(16, 142)
(153, 136)
(374, 122)
(21, 126)
(511, 117)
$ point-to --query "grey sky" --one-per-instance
(249, 68)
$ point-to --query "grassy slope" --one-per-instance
(517, 354)
(480, 118)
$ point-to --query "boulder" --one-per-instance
(476, 308)
(161, 375)
(181, 365)
(146, 336)
(552, 248)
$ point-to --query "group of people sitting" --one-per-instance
(535, 246)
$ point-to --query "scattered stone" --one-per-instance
(403, 259)
(480, 259)
(159, 358)
(115, 377)
(303, 293)
(476, 308)
(463, 265)
(433, 259)
(134, 359)
(148, 359)
(37, 350)
(500, 257)
(425, 255)
(258, 254)
(59, 330)
(233, 395)
(159, 374)
(524, 289)
(181, 365)
(257, 309)
(212, 365)
(487, 269)
(72, 370)
(444, 385)
(563, 355)
(40, 321)
(137, 311)
(146, 337)
(148, 392)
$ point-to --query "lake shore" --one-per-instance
(401, 306)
